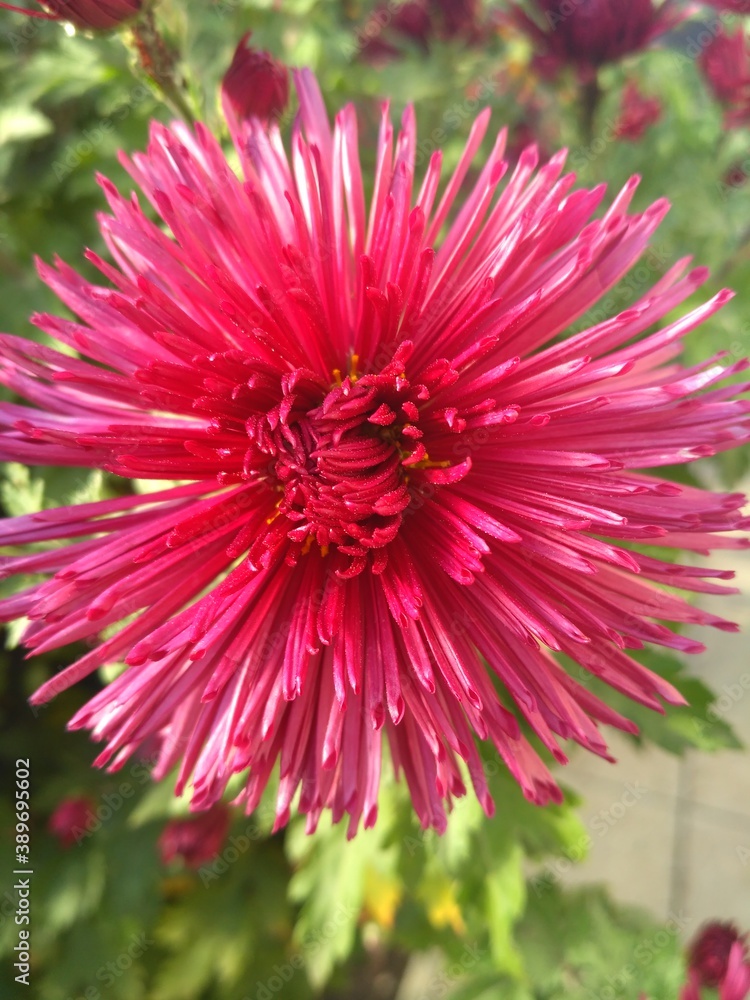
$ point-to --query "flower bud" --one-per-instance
(255, 85)
(96, 15)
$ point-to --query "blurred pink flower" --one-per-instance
(412, 19)
(637, 113)
(197, 839)
(98, 15)
(70, 820)
(255, 84)
(400, 490)
(725, 63)
(457, 18)
(420, 21)
(588, 33)
(729, 6)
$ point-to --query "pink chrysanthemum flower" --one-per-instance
(196, 839)
(98, 15)
(401, 491)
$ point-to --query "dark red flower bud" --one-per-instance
(71, 821)
(98, 15)
(255, 85)
(196, 840)
(708, 955)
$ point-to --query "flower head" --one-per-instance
(725, 64)
(456, 18)
(70, 820)
(729, 6)
(400, 492)
(98, 15)
(710, 951)
(589, 33)
(412, 19)
(195, 840)
(420, 21)
(637, 113)
(734, 983)
(255, 84)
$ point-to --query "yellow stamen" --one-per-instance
(272, 518)
(427, 463)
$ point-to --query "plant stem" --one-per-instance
(591, 94)
(159, 61)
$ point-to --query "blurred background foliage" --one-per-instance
(286, 915)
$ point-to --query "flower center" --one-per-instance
(340, 456)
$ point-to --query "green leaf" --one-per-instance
(577, 944)
(20, 492)
(505, 889)
(330, 885)
(19, 124)
(77, 889)
(26, 491)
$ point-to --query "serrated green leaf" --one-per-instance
(330, 885)
(577, 943)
